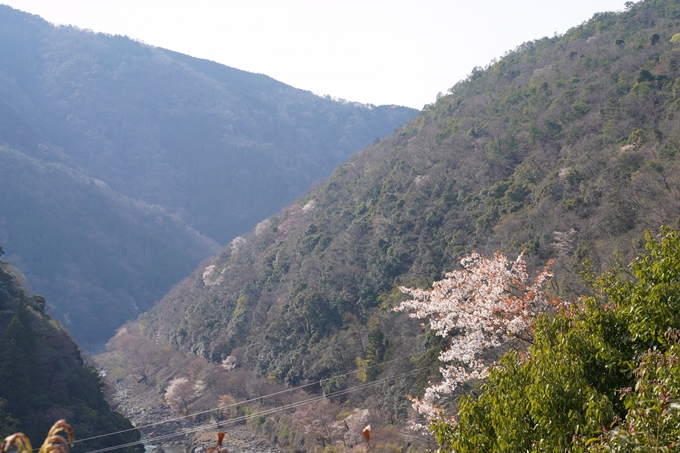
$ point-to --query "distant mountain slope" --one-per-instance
(567, 148)
(103, 258)
(223, 147)
(43, 378)
(116, 153)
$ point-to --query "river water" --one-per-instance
(148, 448)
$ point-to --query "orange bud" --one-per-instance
(220, 437)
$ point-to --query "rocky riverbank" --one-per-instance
(163, 428)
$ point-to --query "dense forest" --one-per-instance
(124, 165)
(566, 148)
(43, 377)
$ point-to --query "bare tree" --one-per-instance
(140, 356)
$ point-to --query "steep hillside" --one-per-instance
(125, 164)
(566, 147)
(103, 258)
(222, 147)
(43, 378)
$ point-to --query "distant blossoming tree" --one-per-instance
(479, 308)
(179, 393)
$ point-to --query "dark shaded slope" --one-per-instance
(566, 147)
(102, 257)
(43, 378)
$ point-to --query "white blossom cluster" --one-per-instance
(564, 241)
(230, 363)
(179, 393)
(479, 308)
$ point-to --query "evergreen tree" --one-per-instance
(15, 367)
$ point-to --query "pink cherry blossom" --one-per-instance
(479, 308)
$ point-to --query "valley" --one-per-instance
(249, 258)
(152, 411)
(564, 148)
(125, 165)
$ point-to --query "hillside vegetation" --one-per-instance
(43, 377)
(566, 148)
(124, 165)
(222, 147)
(601, 375)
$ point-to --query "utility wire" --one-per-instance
(319, 382)
(264, 412)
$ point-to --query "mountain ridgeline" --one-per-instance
(220, 146)
(124, 165)
(567, 147)
(43, 377)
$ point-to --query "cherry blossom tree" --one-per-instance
(318, 421)
(179, 394)
(355, 424)
(479, 308)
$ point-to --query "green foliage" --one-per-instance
(567, 387)
(362, 365)
(557, 139)
(536, 405)
(114, 155)
(645, 76)
(653, 419)
(651, 301)
(8, 424)
(43, 377)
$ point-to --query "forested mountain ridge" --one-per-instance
(124, 165)
(43, 377)
(221, 146)
(566, 147)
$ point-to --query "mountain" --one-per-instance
(43, 377)
(222, 147)
(566, 147)
(103, 256)
(125, 164)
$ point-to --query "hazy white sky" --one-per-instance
(372, 51)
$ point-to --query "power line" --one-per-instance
(319, 382)
(264, 412)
